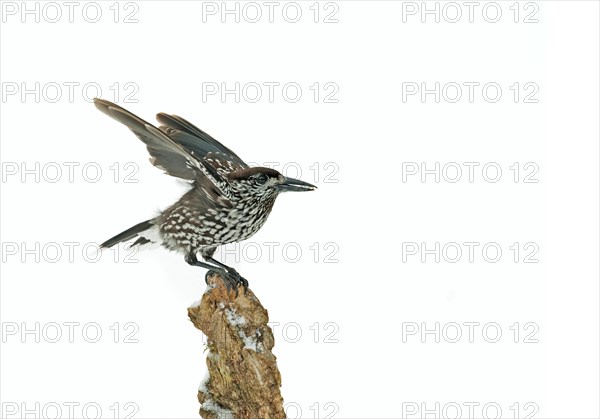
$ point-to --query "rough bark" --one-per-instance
(243, 381)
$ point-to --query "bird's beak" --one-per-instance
(294, 185)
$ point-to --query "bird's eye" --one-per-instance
(261, 179)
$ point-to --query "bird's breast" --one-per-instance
(190, 227)
(241, 223)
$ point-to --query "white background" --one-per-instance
(362, 363)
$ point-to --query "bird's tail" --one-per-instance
(137, 230)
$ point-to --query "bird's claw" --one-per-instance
(210, 273)
(237, 280)
(231, 278)
(240, 280)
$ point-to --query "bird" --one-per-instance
(228, 200)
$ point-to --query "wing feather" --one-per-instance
(166, 153)
(196, 141)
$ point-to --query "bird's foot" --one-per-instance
(231, 278)
(240, 280)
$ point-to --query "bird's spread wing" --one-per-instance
(172, 154)
(193, 138)
(200, 144)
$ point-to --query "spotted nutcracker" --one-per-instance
(228, 201)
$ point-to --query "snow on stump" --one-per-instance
(243, 380)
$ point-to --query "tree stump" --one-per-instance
(243, 381)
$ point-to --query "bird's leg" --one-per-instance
(192, 260)
(240, 279)
(232, 280)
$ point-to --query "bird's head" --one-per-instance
(263, 182)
